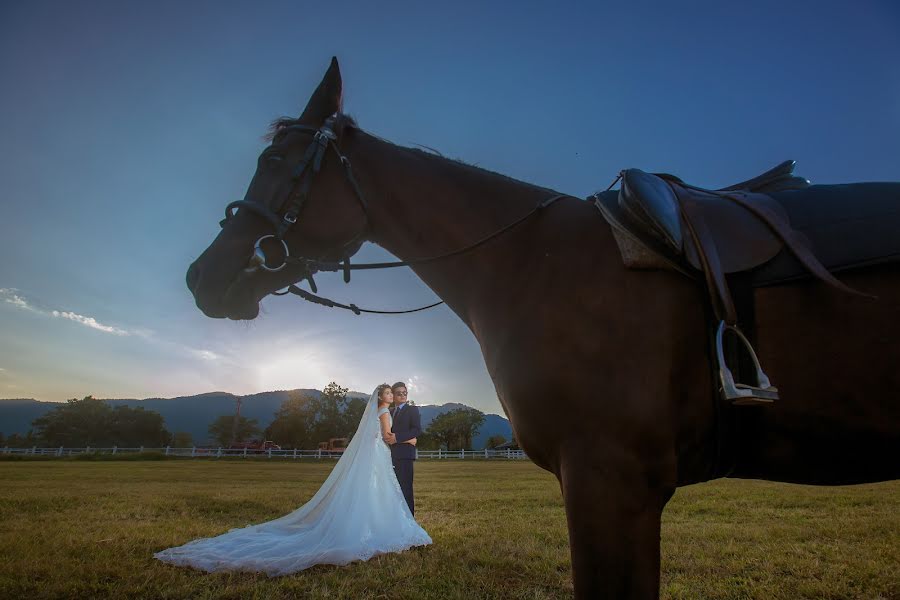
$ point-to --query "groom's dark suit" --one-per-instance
(406, 425)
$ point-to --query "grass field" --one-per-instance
(81, 529)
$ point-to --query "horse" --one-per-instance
(557, 315)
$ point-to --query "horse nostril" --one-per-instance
(193, 276)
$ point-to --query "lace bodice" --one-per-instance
(383, 410)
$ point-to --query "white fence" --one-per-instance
(244, 453)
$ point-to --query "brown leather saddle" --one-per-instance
(659, 221)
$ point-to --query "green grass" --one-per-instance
(82, 529)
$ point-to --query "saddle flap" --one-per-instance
(742, 241)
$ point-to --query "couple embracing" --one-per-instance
(364, 508)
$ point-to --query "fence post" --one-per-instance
(245, 451)
(439, 453)
(295, 452)
(193, 451)
(115, 449)
(219, 452)
(87, 450)
(270, 453)
(60, 451)
(167, 450)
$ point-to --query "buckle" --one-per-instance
(290, 218)
(323, 135)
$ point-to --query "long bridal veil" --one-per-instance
(357, 513)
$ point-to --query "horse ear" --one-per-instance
(328, 97)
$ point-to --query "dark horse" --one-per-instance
(558, 315)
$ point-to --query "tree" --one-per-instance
(426, 441)
(302, 421)
(76, 423)
(494, 441)
(455, 429)
(352, 414)
(291, 427)
(182, 439)
(129, 426)
(92, 422)
(16, 440)
(221, 429)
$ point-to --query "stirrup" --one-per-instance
(739, 393)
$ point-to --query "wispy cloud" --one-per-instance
(10, 296)
(14, 297)
(89, 322)
(201, 353)
(204, 354)
(416, 386)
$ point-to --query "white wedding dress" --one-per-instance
(357, 513)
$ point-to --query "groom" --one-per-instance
(406, 425)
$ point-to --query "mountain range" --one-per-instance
(194, 414)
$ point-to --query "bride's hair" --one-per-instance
(380, 390)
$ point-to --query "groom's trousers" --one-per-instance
(403, 467)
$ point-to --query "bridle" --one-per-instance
(302, 176)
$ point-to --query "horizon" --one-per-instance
(121, 152)
(220, 392)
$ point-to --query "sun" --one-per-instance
(296, 370)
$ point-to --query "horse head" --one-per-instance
(303, 204)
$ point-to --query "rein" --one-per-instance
(303, 174)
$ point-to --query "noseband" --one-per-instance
(302, 176)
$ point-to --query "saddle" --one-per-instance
(659, 221)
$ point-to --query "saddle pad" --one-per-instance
(848, 225)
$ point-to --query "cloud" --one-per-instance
(201, 353)
(204, 354)
(11, 297)
(415, 386)
(14, 297)
(89, 322)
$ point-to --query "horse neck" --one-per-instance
(422, 205)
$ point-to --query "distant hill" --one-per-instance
(194, 413)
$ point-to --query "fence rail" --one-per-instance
(245, 453)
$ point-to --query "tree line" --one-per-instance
(302, 421)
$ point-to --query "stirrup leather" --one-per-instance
(740, 393)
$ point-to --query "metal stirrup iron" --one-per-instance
(741, 393)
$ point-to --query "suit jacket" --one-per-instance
(406, 426)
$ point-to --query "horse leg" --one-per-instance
(613, 512)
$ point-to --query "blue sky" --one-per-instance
(127, 127)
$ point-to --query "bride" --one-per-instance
(358, 512)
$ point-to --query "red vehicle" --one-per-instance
(256, 445)
(334, 446)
